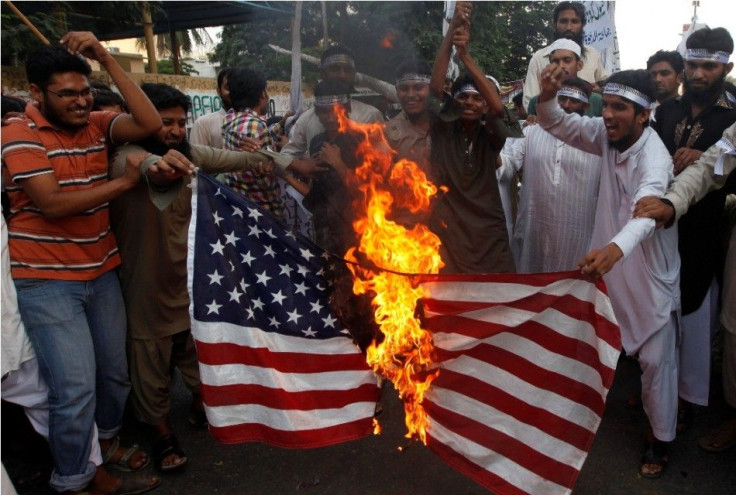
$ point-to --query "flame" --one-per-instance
(405, 354)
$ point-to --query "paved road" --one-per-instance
(375, 465)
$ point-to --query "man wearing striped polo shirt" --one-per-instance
(63, 254)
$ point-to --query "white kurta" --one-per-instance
(592, 71)
(308, 126)
(207, 129)
(644, 285)
(557, 204)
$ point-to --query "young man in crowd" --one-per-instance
(689, 125)
(566, 54)
(558, 198)
(466, 139)
(337, 63)
(246, 119)
(151, 225)
(641, 266)
(207, 129)
(63, 255)
(713, 170)
(569, 20)
(408, 132)
(666, 70)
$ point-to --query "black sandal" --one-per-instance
(655, 455)
(165, 446)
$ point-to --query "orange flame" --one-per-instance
(405, 354)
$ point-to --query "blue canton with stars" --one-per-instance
(250, 271)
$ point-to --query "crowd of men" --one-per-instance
(623, 176)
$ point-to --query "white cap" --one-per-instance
(564, 44)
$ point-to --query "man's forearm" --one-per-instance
(146, 117)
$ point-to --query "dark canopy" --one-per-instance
(119, 19)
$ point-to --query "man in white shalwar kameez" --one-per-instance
(641, 265)
(559, 192)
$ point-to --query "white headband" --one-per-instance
(494, 81)
(466, 88)
(573, 93)
(338, 58)
(329, 100)
(564, 44)
(703, 54)
(627, 92)
(413, 77)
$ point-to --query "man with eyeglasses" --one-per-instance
(63, 254)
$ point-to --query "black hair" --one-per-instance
(640, 80)
(713, 40)
(224, 72)
(107, 98)
(49, 60)
(581, 84)
(336, 50)
(99, 85)
(12, 104)
(246, 87)
(673, 58)
(164, 96)
(330, 87)
(578, 7)
(413, 66)
(461, 81)
(518, 99)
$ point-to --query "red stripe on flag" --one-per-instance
(507, 403)
(531, 330)
(504, 445)
(302, 439)
(531, 373)
(229, 395)
(488, 479)
(286, 362)
(537, 303)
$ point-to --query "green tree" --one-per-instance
(166, 66)
(504, 36)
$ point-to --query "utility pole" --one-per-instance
(696, 4)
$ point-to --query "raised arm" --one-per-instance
(442, 60)
(461, 40)
(143, 119)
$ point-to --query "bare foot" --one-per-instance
(137, 460)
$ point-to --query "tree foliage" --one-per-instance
(382, 34)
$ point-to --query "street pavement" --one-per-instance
(389, 464)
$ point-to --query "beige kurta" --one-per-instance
(153, 244)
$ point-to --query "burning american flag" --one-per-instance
(513, 375)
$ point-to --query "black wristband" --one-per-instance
(669, 203)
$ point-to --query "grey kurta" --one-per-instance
(469, 217)
(153, 244)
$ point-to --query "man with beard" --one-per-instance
(641, 266)
(666, 70)
(714, 169)
(569, 21)
(566, 54)
(63, 256)
(207, 129)
(559, 193)
(150, 223)
(336, 64)
(689, 125)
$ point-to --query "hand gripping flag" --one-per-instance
(275, 365)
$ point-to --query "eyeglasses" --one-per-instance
(69, 95)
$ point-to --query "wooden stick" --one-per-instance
(27, 22)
